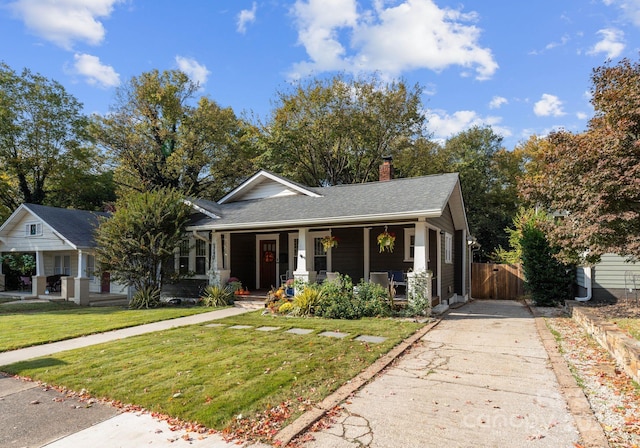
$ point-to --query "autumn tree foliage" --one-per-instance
(591, 180)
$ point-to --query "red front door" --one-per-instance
(267, 264)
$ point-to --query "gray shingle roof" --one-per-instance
(76, 226)
(372, 201)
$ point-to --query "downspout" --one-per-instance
(587, 284)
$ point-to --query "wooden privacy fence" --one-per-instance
(496, 281)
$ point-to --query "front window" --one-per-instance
(448, 248)
(201, 257)
(62, 265)
(319, 255)
(409, 244)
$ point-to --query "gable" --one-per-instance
(26, 232)
(265, 185)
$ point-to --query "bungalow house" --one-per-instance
(269, 229)
(61, 240)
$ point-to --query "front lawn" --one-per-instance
(213, 375)
(27, 324)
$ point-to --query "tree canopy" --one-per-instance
(160, 134)
(336, 131)
(590, 180)
(43, 143)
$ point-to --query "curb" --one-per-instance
(302, 423)
(590, 430)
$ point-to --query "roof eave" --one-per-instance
(331, 221)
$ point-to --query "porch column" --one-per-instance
(39, 281)
(302, 270)
(420, 248)
(419, 281)
(366, 233)
(219, 275)
(81, 286)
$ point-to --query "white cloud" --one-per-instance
(65, 22)
(630, 9)
(581, 116)
(246, 16)
(412, 34)
(197, 72)
(611, 43)
(497, 102)
(548, 105)
(443, 125)
(94, 71)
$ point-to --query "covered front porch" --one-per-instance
(265, 259)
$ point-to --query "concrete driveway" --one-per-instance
(481, 378)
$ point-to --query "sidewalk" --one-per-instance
(481, 378)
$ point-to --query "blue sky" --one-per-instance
(522, 67)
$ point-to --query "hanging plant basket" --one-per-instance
(386, 241)
(328, 242)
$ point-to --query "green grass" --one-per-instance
(210, 375)
(27, 324)
(632, 326)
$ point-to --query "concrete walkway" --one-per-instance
(481, 378)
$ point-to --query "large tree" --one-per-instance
(488, 176)
(161, 134)
(43, 141)
(335, 131)
(590, 180)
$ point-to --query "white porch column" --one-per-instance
(218, 261)
(419, 281)
(420, 248)
(39, 281)
(81, 284)
(302, 270)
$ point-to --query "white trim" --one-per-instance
(256, 178)
(408, 233)
(200, 209)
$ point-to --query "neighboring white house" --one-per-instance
(63, 245)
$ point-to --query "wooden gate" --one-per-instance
(496, 281)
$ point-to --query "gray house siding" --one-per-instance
(608, 277)
(447, 270)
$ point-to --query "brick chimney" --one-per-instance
(386, 169)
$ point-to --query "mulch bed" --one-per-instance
(608, 310)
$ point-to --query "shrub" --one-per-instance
(548, 280)
(285, 307)
(340, 302)
(215, 295)
(147, 297)
(306, 301)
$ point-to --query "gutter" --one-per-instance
(587, 281)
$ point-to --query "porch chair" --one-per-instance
(379, 278)
(284, 277)
(25, 282)
(332, 277)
